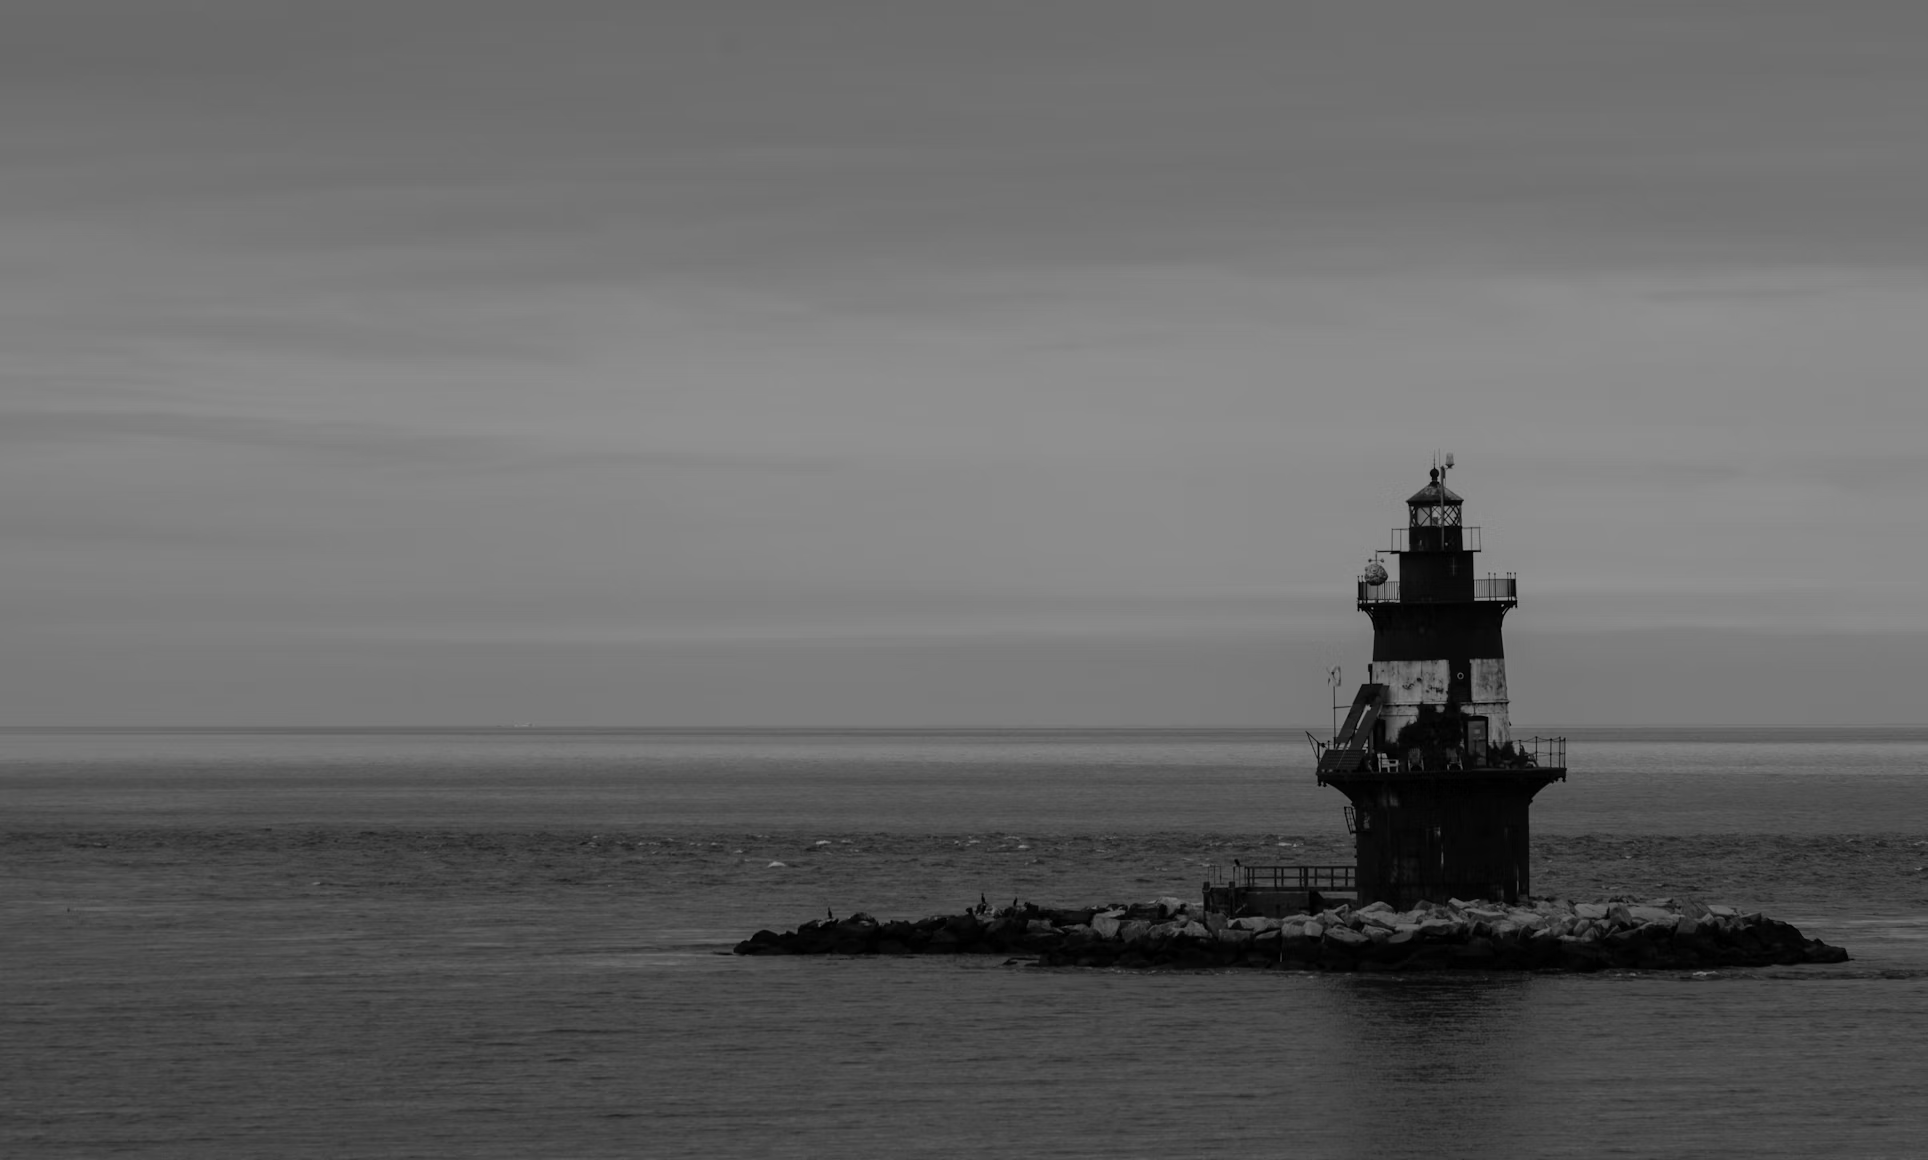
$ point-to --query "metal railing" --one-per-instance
(1500, 588)
(1526, 753)
(1468, 536)
(1298, 877)
(1543, 752)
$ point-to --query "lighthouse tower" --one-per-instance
(1436, 629)
(1438, 782)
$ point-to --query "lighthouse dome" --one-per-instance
(1435, 494)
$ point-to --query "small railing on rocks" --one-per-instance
(1298, 877)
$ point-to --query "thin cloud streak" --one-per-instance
(368, 444)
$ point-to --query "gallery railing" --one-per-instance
(1544, 752)
(1503, 588)
(1434, 539)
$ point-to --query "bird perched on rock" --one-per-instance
(829, 915)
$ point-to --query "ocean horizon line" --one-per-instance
(1556, 728)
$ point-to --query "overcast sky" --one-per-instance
(899, 363)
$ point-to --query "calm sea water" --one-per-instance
(505, 943)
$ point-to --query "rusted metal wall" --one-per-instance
(1480, 691)
(1438, 838)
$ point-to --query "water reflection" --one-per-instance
(1433, 1059)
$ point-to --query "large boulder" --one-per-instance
(763, 942)
(1299, 948)
(1050, 938)
(1064, 918)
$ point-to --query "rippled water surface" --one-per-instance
(507, 944)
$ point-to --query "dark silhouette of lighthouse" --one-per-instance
(1438, 783)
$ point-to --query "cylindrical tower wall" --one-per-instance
(1476, 684)
(1440, 654)
(1426, 577)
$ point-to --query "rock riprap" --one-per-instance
(1542, 935)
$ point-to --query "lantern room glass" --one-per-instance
(1435, 515)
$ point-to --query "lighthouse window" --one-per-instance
(1435, 516)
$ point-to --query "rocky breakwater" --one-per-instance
(1543, 935)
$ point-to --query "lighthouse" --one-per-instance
(1439, 783)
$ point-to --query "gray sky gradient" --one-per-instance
(989, 363)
